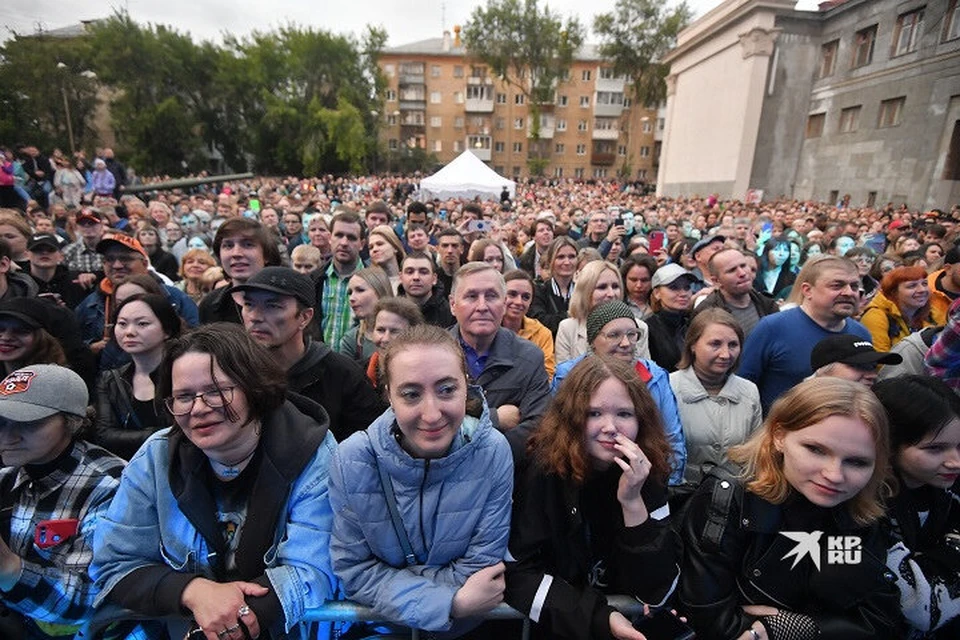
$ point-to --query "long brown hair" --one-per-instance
(559, 446)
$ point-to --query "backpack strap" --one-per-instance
(391, 498)
(721, 500)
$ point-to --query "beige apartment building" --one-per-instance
(442, 101)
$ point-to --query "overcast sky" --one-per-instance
(404, 20)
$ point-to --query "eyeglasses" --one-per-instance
(182, 404)
(122, 258)
(616, 336)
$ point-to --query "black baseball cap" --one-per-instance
(46, 240)
(849, 349)
(284, 281)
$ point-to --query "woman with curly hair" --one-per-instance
(590, 512)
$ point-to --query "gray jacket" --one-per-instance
(713, 424)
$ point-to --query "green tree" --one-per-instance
(635, 36)
(528, 47)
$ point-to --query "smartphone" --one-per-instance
(663, 625)
(479, 226)
(875, 241)
(618, 222)
(657, 238)
(767, 228)
(254, 205)
(50, 533)
(442, 214)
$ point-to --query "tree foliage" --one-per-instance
(525, 45)
(635, 36)
(295, 100)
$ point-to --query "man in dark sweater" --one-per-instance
(418, 282)
(277, 310)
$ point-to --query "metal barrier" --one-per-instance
(347, 611)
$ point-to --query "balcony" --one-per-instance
(483, 154)
(606, 134)
(603, 159)
(478, 105)
(479, 82)
(411, 78)
(614, 85)
(607, 110)
(413, 105)
(547, 126)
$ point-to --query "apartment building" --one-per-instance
(442, 101)
(859, 97)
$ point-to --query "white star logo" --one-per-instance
(808, 544)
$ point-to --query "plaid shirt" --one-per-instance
(54, 588)
(337, 315)
(78, 257)
(943, 358)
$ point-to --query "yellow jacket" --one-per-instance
(537, 333)
(886, 324)
(939, 302)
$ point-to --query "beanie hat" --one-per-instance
(603, 314)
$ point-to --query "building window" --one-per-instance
(644, 152)
(863, 42)
(559, 148)
(393, 144)
(642, 174)
(850, 119)
(499, 169)
(435, 97)
(501, 98)
(558, 172)
(478, 72)
(648, 127)
(389, 70)
(500, 124)
(661, 122)
(582, 125)
(578, 172)
(564, 100)
(581, 149)
(434, 71)
(606, 97)
(519, 99)
(458, 145)
(438, 145)
(436, 122)
(561, 124)
(627, 102)
(815, 125)
(604, 124)
(458, 71)
(891, 112)
(600, 173)
(458, 97)
(951, 168)
(828, 59)
(622, 150)
(951, 21)
(391, 120)
(871, 199)
(516, 172)
(391, 95)
(479, 142)
(606, 73)
(906, 35)
(585, 76)
(584, 101)
(458, 122)
(565, 76)
(518, 147)
(498, 147)
(518, 123)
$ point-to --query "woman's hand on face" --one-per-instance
(636, 470)
(480, 593)
(215, 607)
(621, 628)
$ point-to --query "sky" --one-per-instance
(405, 20)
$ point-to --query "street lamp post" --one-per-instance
(66, 103)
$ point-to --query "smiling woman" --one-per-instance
(817, 469)
(224, 516)
(434, 462)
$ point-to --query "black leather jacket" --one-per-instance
(735, 555)
(117, 427)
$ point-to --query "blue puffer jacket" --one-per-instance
(455, 509)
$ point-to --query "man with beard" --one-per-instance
(776, 356)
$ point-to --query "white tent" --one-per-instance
(466, 177)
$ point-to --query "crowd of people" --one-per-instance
(226, 406)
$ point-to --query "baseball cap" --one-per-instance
(28, 311)
(40, 391)
(896, 224)
(90, 215)
(705, 241)
(284, 281)
(952, 256)
(45, 240)
(125, 241)
(849, 349)
(668, 273)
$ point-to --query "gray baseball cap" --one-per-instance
(40, 391)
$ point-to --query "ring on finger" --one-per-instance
(235, 627)
(222, 633)
(242, 611)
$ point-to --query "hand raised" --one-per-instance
(636, 469)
